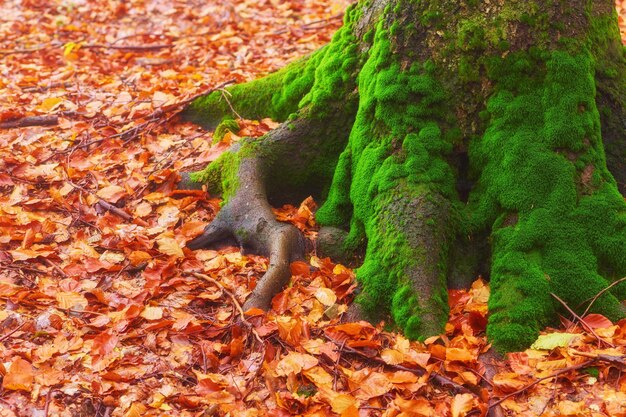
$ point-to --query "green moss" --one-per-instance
(227, 125)
(396, 156)
(534, 158)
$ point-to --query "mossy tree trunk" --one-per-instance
(445, 139)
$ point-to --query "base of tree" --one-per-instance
(435, 157)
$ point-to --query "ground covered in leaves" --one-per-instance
(105, 313)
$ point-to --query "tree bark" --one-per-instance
(443, 136)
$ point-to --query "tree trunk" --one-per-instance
(444, 136)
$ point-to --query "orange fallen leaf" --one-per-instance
(462, 404)
(20, 376)
(293, 363)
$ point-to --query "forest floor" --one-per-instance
(105, 313)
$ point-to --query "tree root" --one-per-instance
(248, 218)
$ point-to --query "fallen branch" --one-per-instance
(30, 121)
(582, 322)
(532, 384)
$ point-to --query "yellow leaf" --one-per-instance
(462, 404)
(71, 47)
(152, 313)
(71, 300)
(326, 296)
(554, 340)
(169, 246)
(49, 104)
(319, 376)
(19, 377)
(342, 402)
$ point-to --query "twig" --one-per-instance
(6, 336)
(581, 321)
(436, 377)
(532, 384)
(105, 204)
(598, 295)
(602, 357)
(55, 267)
(51, 391)
(242, 314)
(487, 359)
(30, 121)
(41, 88)
(129, 47)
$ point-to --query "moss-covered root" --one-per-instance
(404, 272)
(248, 218)
(276, 95)
(558, 221)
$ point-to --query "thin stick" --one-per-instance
(6, 336)
(532, 384)
(104, 203)
(598, 295)
(130, 47)
(581, 321)
(242, 314)
(436, 377)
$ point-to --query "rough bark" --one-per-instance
(444, 136)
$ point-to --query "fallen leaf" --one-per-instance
(462, 404)
(20, 376)
(554, 340)
(293, 363)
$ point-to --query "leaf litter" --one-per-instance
(106, 313)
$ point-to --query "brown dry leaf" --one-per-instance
(326, 296)
(111, 193)
(392, 357)
(169, 246)
(508, 382)
(137, 257)
(71, 300)
(419, 407)
(370, 384)
(458, 354)
(293, 363)
(571, 408)
(20, 376)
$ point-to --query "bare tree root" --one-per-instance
(256, 171)
(248, 218)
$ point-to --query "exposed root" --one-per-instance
(248, 218)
